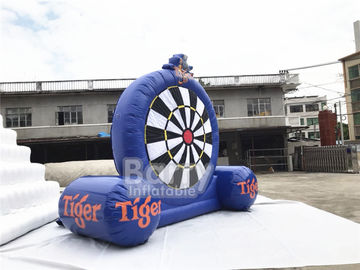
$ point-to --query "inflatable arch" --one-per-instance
(165, 145)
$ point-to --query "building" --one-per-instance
(307, 109)
(61, 120)
(351, 67)
(351, 70)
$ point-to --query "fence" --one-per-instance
(337, 158)
(120, 84)
(265, 159)
(70, 85)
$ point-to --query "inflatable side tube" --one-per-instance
(237, 187)
(101, 207)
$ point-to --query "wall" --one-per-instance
(44, 106)
(235, 100)
(292, 145)
(252, 122)
(85, 130)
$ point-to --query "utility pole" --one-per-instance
(341, 125)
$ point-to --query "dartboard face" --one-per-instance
(178, 137)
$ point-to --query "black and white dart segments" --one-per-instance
(178, 137)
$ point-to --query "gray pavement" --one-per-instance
(337, 193)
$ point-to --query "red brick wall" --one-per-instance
(327, 123)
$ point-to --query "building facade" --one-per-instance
(351, 70)
(307, 109)
(66, 120)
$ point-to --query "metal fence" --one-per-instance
(268, 159)
(244, 80)
(337, 158)
(120, 84)
(69, 85)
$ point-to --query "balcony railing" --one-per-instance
(121, 84)
(244, 80)
(70, 85)
(271, 121)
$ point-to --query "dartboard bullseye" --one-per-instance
(178, 137)
(188, 136)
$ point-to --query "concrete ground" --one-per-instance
(337, 193)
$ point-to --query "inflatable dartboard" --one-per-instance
(165, 132)
(166, 121)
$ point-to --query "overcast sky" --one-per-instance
(56, 40)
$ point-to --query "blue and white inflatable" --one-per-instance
(165, 144)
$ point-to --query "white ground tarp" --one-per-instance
(274, 233)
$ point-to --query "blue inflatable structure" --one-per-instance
(165, 145)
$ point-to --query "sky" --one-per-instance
(62, 40)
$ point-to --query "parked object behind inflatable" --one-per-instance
(165, 145)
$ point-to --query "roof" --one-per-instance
(350, 56)
(304, 99)
(286, 81)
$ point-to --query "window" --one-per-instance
(302, 121)
(355, 95)
(110, 112)
(219, 107)
(312, 107)
(323, 104)
(296, 108)
(314, 135)
(356, 118)
(353, 72)
(18, 117)
(69, 115)
(259, 106)
(312, 121)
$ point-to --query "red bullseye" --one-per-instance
(188, 136)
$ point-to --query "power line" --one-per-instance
(311, 85)
(343, 96)
(337, 97)
(312, 66)
(327, 89)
